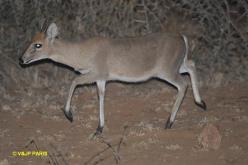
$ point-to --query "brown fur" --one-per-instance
(135, 59)
(38, 37)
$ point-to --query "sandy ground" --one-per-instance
(134, 132)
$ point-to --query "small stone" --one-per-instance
(4, 162)
(217, 79)
(6, 107)
(173, 147)
(210, 137)
(235, 148)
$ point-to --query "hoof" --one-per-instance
(99, 130)
(69, 115)
(97, 134)
(168, 124)
(202, 105)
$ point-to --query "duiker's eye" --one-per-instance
(37, 46)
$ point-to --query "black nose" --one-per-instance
(21, 61)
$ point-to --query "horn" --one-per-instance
(44, 26)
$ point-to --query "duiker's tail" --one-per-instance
(188, 66)
(186, 42)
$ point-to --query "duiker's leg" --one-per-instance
(181, 85)
(189, 67)
(101, 93)
(85, 79)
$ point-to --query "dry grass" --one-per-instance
(218, 30)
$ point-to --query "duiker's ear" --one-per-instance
(52, 32)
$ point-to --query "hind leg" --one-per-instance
(189, 67)
(181, 85)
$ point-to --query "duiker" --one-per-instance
(163, 56)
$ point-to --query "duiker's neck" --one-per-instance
(67, 53)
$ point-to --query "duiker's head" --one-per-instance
(41, 45)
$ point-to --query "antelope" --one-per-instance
(134, 59)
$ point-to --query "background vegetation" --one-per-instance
(218, 30)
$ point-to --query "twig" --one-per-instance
(53, 159)
(59, 154)
(31, 141)
(115, 154)
(100, 160)
(122, 138)
(109, 146)
(97, 154)
(229, 20)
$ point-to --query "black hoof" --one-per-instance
(97, 133)
(202, 105)
(69, 115)
(99, 130)
(168, 124)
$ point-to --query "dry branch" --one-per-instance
(221, 44)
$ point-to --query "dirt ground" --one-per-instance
(134, 131)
